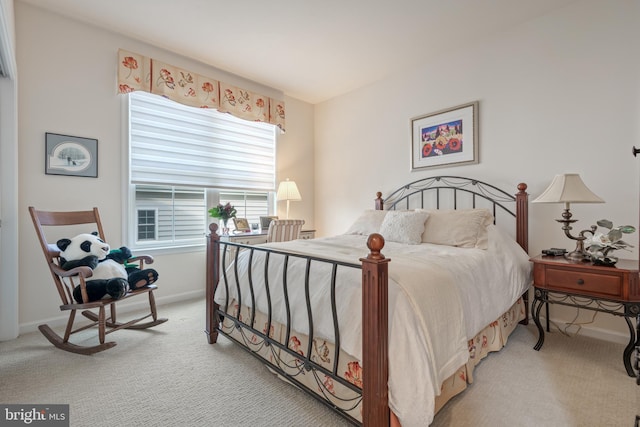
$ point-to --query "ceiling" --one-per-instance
(310, 50)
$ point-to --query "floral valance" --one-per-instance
(138, 72)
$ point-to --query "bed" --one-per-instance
(386, 322)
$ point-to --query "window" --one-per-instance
(184, 160)
(147, 224)
(169, 216)
(249, 205)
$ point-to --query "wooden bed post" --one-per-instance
(522, 227)
(375, 335)
(379, 201)
(522, 235)
(212, 278)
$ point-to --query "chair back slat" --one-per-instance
(43, 219)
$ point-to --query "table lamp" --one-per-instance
(569, 188)
(288, 190)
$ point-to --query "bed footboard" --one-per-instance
(373, 394)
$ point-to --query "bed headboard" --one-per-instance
(455, 192)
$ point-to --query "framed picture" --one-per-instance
(265, 221)
(70, 155)
(445, 138)
(242, 224)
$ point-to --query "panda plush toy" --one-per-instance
(112, 276)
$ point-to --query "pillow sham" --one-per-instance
(404, 226)
(464, 228)
(368, 222)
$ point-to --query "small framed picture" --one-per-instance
(241, 224)
(265, 221)
(71, 155)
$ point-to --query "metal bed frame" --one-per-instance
(374, 397)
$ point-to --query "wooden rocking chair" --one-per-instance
(77, 276)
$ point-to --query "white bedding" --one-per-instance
(439, 297)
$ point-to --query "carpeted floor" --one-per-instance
(171, 376)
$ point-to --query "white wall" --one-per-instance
(295, 160)
(557, 94)
(67, 85)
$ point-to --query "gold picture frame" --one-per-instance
(241, 224)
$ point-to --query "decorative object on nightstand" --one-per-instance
(288, 190)
(265, 220)
(242, 225)
(569, 188)
(224, 213)
(600, 245)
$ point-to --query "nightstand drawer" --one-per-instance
(584, 282)
(249, 240)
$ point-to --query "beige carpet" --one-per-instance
(170, 376)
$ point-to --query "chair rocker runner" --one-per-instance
(78, 276)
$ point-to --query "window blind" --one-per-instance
(249, 205)
(173, 144)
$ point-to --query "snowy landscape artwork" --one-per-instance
(71, 155)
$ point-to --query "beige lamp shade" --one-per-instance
(567, 188)
(288, 190)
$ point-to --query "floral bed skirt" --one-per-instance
(491, 338)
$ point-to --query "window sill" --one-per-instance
(168, 250)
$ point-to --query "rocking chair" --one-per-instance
(66, 281)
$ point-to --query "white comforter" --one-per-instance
(439, 297)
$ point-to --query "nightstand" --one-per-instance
(258, 237)
(253, 238)
(613, 290)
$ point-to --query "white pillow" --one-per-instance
(404, 226)
(464, 228)
(368, 222)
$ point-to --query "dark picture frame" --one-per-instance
(265, 221)
(70, 155)
(447, 137)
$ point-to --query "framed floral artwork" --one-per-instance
(445, 138)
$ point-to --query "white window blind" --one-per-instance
(169, 214)
(173, 144)
(249, 205)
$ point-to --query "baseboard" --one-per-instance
(586, 330)
(124, 308)
(605, 335)
(589, 331)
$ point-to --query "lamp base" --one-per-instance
(577, 256)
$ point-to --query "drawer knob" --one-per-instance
(580, 282)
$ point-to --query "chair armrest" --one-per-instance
(82, 271)
(142, 260)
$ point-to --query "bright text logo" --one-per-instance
(34, 415)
